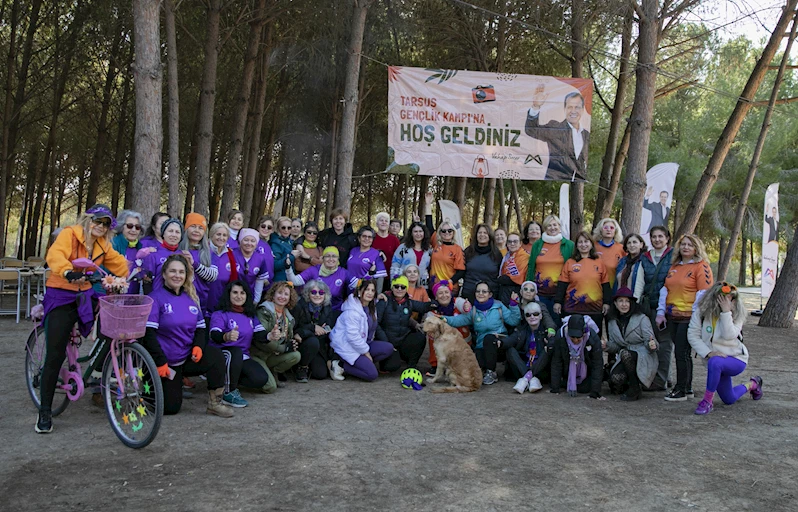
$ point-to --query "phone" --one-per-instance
(663, 327)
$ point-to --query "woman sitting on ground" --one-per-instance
(397, 326)
(716, 335)
(175, 338)
(414, 288)
(630, 336)
(577, 349)
(529, 294)
(528, 351)
(352, 338)
(233, 328)
(278, 352)
(315, 319)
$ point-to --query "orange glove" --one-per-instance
(196, 354)
(163, 371)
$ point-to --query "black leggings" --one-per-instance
(58, 330)
(489, 353)
(624, 375)
(408, 349)
(240, 372)
(211, 365)
(682, 349)
(317, 361)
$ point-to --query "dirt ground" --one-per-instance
(358, 446)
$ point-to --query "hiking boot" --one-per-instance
(234, 399)
(301, 374)
(756, 389)
(676, 395)
(336, 372)
(44, 424)
(489, 378)
(521, 385)
(535, 385)
(704, 407)
(216, 406)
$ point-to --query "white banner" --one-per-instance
(770, 240)
(565, 210)
(444, 122)
(278, 208)
(451, 213)
(660, 180)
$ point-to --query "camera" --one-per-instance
(483, 93)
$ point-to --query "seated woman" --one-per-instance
(175, 338)
(488, 318)
(528, 351)
(529, 293)
(233, 329)
(352, 338)
(715, 333)
(631, 336)
(337, 278)
(315, 319)
(395, 320)
(278, 352)
(575, 342)
(414, 289)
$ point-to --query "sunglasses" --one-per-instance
(528, 290)
(528, 315)
(317, 292)
(103, 223)
(137, 227)
(311, 232)
(400, 287)
(447, 231)
(513, 241)
(266, 226)
(285, 228)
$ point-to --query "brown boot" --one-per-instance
(215, 405)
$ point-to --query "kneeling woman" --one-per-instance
(314, 319)
(715, 333)
(488, 318)
(352, 338)
(631, 336)
(278, 352)
(176, 339)
(233, 329)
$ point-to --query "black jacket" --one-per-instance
(393, 319)
(594, 358)
(519, 340)
(343, 242)
(305, 324)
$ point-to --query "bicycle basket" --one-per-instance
(124, 317)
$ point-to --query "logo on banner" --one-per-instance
(480, 167)
(769, 273)
(483, 93)
(536, 159)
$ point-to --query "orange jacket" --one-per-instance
(71, 245)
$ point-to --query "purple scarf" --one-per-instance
(577, 369)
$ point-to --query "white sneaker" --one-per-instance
(521, 385)
(535, 385)
(336, 372)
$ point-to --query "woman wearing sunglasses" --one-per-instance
(282, 248)
(308, 247)
(716, 335)
(128, 240)
(529, 294)
(395, 318)
(265, 231)
(315, 319)
(528, 351)
(447, 262)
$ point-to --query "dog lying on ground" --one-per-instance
(455, 358)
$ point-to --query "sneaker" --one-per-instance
(301, 374)
(234, 399)
(689, 393)
(535, 385)
(336, 372)
(676, 395)
(521, 385)
(704, 407)
(44, 424)
(756, 390)
(489, 378)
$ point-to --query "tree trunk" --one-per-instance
(578, 54)
(25, 212)
(191, 177)
(477, 203)
(147, 74)
(723, 264)
(753, 263)
(325, 160)
(173, 204)
(517, 205)
(423, 185)
(722, 248)
(121, 139)
(207, 102)
(741, 274)
(346, 150)
(783, 302)
(634, 186)
(504, 207)
(334, 136)
(744, 104)
(490, 201)
(605, 196)
(460, 193)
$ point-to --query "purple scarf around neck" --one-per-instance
(577, 369)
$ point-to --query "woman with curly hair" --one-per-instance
(278, 352)
(716, 334)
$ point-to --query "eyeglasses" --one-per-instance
(400, 287)
(317, 292)
(447, 231)
(137, 227)
(266, 226)
(311, 232)
(366, 236)
(528, 315)
(103, 223)
(483, 291)
(285, 228)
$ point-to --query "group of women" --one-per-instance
(243, 307)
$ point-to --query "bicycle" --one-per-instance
(131, 389)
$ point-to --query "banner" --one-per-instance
(657, 201)
(278, 208)
(451, 213)
(565, 210)
(770, 240)
(444, 122)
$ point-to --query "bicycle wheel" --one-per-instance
(135, 404)
(35, 350)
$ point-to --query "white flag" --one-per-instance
(770, 240)
(451, 213)
(565, 210)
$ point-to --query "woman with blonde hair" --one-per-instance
(716, 334)
(608, 242)
(546, 260)
(689, 277)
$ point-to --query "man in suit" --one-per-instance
(773, 225)
(567, 141)
(660, 213)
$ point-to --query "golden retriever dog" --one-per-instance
(455, 358)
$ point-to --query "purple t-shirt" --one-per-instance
(339, 282)
(154, 262)
(359, 263)
(130, 256)
(176, 318)
(254, 268)
(202, 286)
(216, 288)
(150, 241)
(224, 321)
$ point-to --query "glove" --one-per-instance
(550, 332)
(73, 276)
(163, 371)
(196, 354)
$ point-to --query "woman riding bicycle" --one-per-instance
(68, 297)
